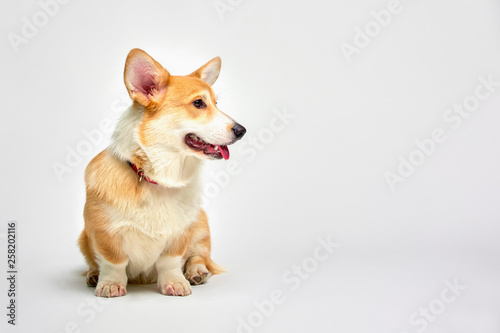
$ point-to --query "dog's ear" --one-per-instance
(208, 72)
(146, 80)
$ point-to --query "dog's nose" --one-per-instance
(239, 131)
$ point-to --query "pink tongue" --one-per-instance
(224, 151)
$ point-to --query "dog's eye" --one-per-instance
(199, 104)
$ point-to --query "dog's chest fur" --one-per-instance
(148, 227)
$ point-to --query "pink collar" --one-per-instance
(140, 173)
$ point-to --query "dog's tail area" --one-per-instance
(214, 268)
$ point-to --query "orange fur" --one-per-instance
(111, 182)
(115, 194)
(101, 241)
(86, 248)
(200, 245)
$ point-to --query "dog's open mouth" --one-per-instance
(211, 150)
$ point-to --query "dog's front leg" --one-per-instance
(171, 281)
(112, 278)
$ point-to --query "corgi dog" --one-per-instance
(143, 216)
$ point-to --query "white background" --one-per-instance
(321, 175)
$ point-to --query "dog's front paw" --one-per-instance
(110, 290)
(175, 288)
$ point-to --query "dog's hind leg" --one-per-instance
(92, 275)
(198, 265)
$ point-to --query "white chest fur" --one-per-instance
(147, 228)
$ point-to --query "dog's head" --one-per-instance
(180, 112)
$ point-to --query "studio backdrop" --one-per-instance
(364, 196)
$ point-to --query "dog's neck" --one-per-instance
(169, 168)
